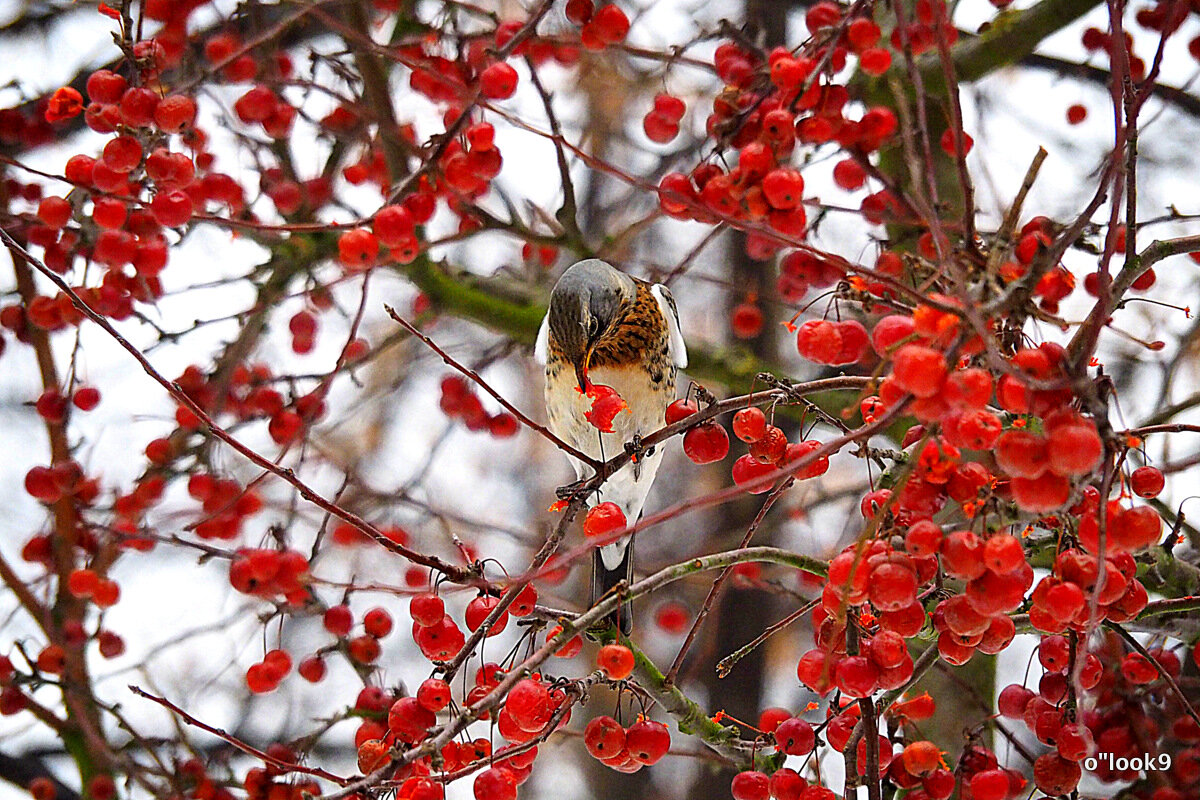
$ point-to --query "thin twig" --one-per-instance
(482, 384)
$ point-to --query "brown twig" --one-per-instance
(715, 589)
(482, 384)
(238, 743)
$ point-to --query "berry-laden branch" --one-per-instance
(721, 739)
(1137, 647)
(237, 743)
(451, 571)
(767, 478)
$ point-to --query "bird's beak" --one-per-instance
(581, 369)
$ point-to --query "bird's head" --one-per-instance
(586, 302)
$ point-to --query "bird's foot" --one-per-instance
(636, 450)
(573, 490)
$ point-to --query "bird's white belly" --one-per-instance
(566, 407)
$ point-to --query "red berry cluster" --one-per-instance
(65, 479)
(642, 744)
(458, 400)
(226, 505)
(833, 343)
(270, 782)
(270, 573)
(434, 631)
(266, 675)
(769, 104)
(661, 123)
(769, 451)
(600, 26)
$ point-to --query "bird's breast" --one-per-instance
(647, 400)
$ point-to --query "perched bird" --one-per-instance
(605, 327)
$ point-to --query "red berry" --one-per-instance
(175, 113)
(498, 81)
(921, 757)
(579, 11)
(1147, 482)
(1003, 553)
(610, 24)
(1074, 449)
(748, 469)
(647, 741)
(530, 704)
(172, 208)
(658, 128)
(495, 783)
(1022, 454)
(604, 519)
(746, 320)
(409, 720)
(750, 424)
(338, 620)
(478, 611)
(1041, 495)
(783, 187)
(54, 212)
(426, 609)
(892, 587)
(706, 443)
(750, 786)
(856, 676)
(819, 340)
(616, 660)
(949, 143)
(924, 538)
(679, 410)
(105, 86)
(604, 737)
(991, 784)
(849, 175)
(312, 669)
(875, 60)
(358, 248)
(377, 622)
(919, 370)
(433, 694)
(795, 737)
(1055, 775)
(786, 784)
(393, 225)
(671, 617)
(123, 153)
(137, 106)
(525, 602)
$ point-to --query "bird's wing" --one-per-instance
(541, 347)
(666, 303)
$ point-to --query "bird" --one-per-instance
(606, 327)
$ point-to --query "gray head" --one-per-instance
(585, 303)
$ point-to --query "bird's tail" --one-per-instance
(604, 579)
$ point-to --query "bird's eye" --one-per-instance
(594, 327)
